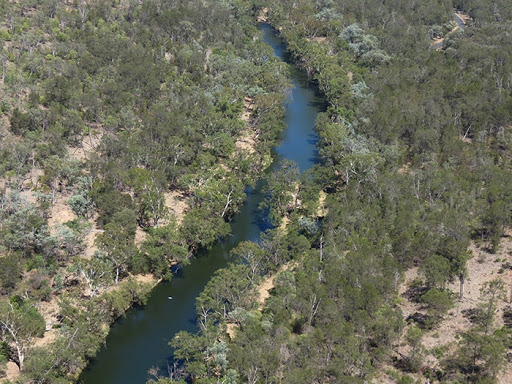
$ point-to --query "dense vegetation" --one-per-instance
(415, 149)
(106, 108)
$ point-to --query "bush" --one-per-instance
(438, 302)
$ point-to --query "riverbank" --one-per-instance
(186, 287)
(135, 168)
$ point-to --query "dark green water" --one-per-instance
(140, 340)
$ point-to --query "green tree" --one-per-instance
(117, 242)
(413, 337)
(252, 255)
(20, 323)
(490, 294)
(436, 270)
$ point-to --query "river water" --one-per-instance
(140, 340)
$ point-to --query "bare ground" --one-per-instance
(178, 203)
(322, 209)
(90, 237)
(464, 17)
(87, 147)
(263, 293)
(263, 17)
(319, 39)
(12, 372)
(263, 289)
(140, 236)
(483, 267)
(247, 141)
(350, 76)
(60, 212)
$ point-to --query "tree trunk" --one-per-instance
(462, 278)
(21, 356)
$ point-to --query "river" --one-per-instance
(140, 340)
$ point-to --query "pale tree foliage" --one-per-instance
(20, 323)
(96, 273)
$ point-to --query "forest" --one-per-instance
(121, 132)
(121, 155)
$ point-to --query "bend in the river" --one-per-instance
(140, 340)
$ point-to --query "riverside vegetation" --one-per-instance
(415, 148)
(415, 179)
(123, 151)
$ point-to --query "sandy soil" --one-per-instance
(230, 330)
(263, 290)
(350, 76)
(322, 209)
(177, 202)
(263, 293)
(405, 169)
(140, 236)
(207, 58)
(89, 239)
(147, 279)
(483, 267)
(263, 17)
(247, 141)
(319, 39)
(12, 371)
(86, 148)
(464, 17)
(60, 212)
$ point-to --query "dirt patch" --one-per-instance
(147, 279)
(89, 239)
(483, 267)
(246, 143)
(178, 203)
(319, 39)
(86, 148)
(247, 140)
(464, 17)
(60, 213)
(248, 108)
(263, 293)
(12, 371)
(140, 236)
(350, 76)
(263, 16)
(404, 169)
(322, 209)
(263, 289)
(230, 330)
(207, 58)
